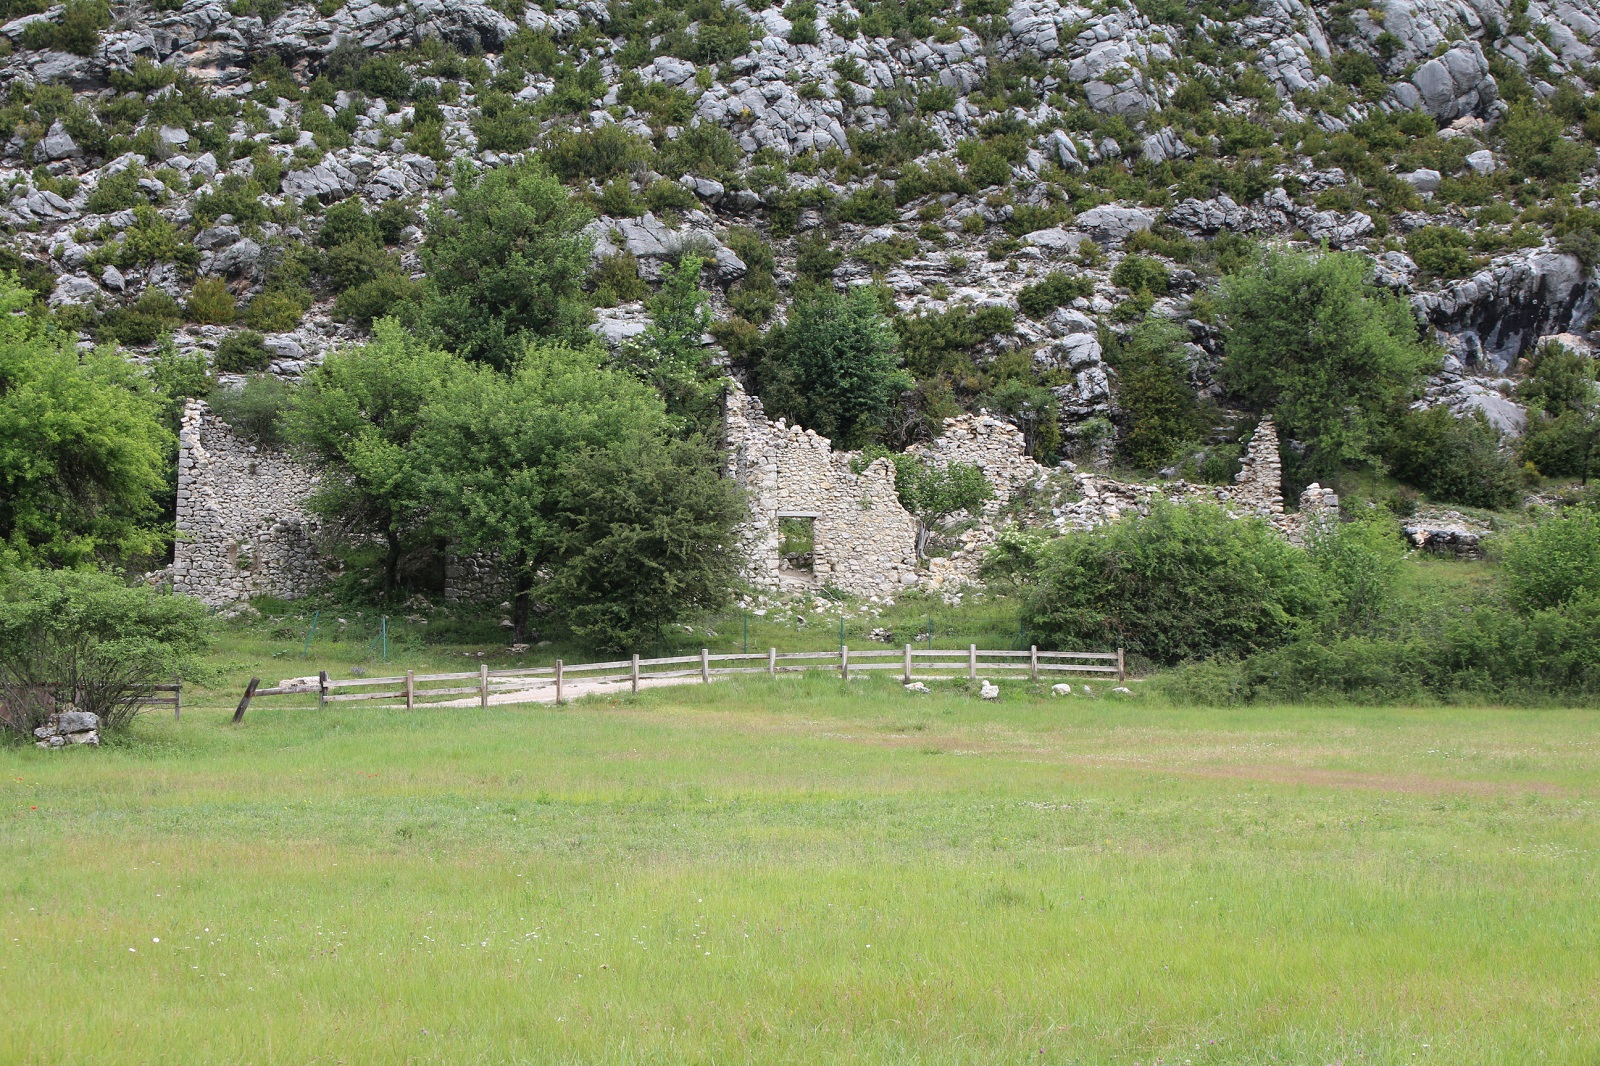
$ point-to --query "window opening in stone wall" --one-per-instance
(797, 547)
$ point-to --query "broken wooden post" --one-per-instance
(244, 704)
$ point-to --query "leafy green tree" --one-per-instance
(506, 260)
(357, 417)
(835, 369)
(1157, 412)
(86, 638)
(643, 536)
(1332, 357)
(671, 354)
(932, 492)
(570, 474)
(1033, 409)
(1183, 582)
(83, 452)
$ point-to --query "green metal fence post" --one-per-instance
(305, 652)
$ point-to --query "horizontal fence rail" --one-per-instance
(914, 664)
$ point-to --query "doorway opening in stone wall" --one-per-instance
(797, 546)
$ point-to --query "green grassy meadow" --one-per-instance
(805, 871)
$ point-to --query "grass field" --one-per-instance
(801, 871)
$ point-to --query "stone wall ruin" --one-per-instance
(243, 527)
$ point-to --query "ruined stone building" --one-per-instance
(244, 529)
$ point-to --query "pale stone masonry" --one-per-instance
(864, 540)
(243, 529)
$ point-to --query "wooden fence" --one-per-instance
(147, 694)
(913, 663)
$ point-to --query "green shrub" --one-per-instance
(1157, 412)
(816, 258)
(277, 312)
(116, 192)
(873, 206)
(1331, 356)
(1054, 290)
(503, 125)
(1453, 460)
(375, 298)
(78, 31)
(597, 154)
(85, 638)
(256, 409)
(1182, 583)
(240, 351)
(705, 150)
(1442, 251)
(153, 316)
(210, 303)
(834, 368)
(1553, 562)
(1360, 562)
(617, 281)
(1141, 274)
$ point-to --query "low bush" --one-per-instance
(254, 410)
(1181, 583)
(1453, 460)
(597, 154)
(153, 316)
(1054, 290)
(84, 638)
(1553, 562)
(241, 351)
(210, 303)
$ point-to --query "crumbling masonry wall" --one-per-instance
(865, 542)
(243, 529)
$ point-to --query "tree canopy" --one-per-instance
(506, 259)
(357, 416)
(571, 475)
(1331, 356)
(83, 451)
(834, 368)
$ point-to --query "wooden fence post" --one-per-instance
(772, 662)
(1033, 663)
(705, 665)
(483, 685)
(1122, 668)
(908, 664)
(844, 663)
(177, 699)
(635, 674)
(972, 662)
(411, 689)
(559, 665)
(322, 689)
(244, 704)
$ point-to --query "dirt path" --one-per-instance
(543, 690)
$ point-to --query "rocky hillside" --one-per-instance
(1025, 178)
